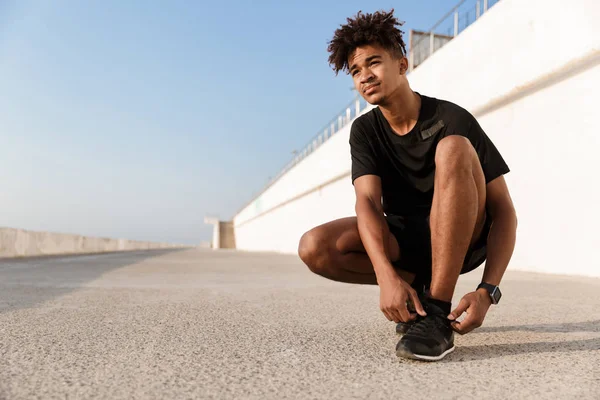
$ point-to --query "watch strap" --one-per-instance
(490, 288)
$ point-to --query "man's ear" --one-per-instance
(403, 64)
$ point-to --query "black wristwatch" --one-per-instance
(493, 291)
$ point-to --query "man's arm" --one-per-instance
(372, 226)
(503, 232)
(375, 236)
(500, 246)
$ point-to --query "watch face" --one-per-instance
(496, 295)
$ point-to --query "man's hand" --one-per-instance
(394, 293)
(476, 305)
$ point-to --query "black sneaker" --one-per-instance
(431, 338)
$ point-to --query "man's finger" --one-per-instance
(395, 315)
(461, 327)
(417, 303)
(457, 328)
(386, 314)
(404, 314)
(461, 308)
(466, 325)
(391, 314)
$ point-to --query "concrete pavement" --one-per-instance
(226, 324)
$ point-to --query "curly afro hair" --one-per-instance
(364, 29)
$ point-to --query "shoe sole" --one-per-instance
(421, 357)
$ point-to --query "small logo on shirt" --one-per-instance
(427, 133)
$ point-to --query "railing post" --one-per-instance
(485, 5)
(456, 24)
(348, 113)
(357, 107)
(332, 128)
(339, 122)
(478, 12)
(431, 41)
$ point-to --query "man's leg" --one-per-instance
(456, 220)
(335, 251)
(457, 214)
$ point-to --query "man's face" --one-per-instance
(376, 74)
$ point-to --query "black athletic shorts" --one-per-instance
(414, 238)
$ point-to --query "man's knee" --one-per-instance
(314, 251)
(454, 153)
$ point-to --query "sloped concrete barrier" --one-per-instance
(23, 243)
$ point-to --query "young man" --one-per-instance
(445, 210)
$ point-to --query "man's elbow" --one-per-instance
(359, 207)
(505, 212)
(513, 214)
(367, 204)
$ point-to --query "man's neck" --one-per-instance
(402, 112)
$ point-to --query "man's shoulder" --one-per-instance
(366, 119)
(364, 123)
(448, 108)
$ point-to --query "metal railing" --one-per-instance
(463, 14)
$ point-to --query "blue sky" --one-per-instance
(135, 119)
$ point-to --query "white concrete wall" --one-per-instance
(529, 70)
(281, 229)
(23, 243)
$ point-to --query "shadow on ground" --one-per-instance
(27, 282)
(484, 352)
(587, 326)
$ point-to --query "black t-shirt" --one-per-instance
(406, 164)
